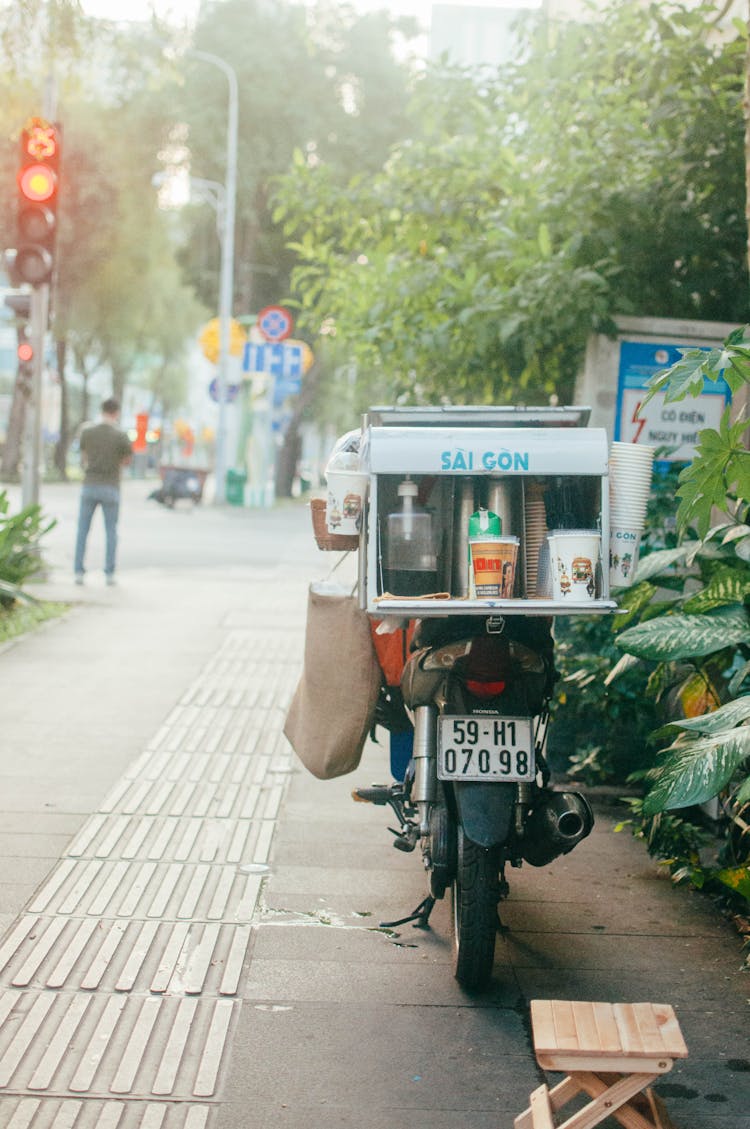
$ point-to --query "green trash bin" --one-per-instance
(236, 480)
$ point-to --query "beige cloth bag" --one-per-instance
(333, 707)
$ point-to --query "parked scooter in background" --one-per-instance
(475, 794)
(178, 484)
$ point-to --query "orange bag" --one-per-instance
(392, 650)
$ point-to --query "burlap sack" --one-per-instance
(333, 707)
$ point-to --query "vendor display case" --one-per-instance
(540, 470)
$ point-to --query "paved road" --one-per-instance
(190, 920)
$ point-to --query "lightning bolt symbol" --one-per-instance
(639, 423)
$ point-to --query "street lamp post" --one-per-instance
(227, 266)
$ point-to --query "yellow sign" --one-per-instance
(209, 339)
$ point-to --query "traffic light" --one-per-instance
(25, 353)
(36, 220)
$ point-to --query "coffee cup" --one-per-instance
(575, 564)
(624, 548)
(345, 501)
(493, 562)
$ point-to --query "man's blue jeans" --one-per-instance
(108, 497)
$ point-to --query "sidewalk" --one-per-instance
(190, 920)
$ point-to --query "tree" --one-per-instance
(345, 108)
(601, 174)
(305, 80)
(118, 293)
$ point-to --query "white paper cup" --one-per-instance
(627, 519)
(633, 510)
(627, 491)
(575, 564)
(628, 474)
(632, 452)
(345, 502)
(624, 549)
(620, 483)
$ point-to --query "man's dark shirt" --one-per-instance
(105, 448)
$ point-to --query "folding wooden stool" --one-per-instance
(612, 1052)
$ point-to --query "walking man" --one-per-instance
(105, 449)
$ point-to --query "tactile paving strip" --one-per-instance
(119, 984)
(53, 1113)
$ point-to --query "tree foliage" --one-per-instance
(118, 296)
(322, 79)
(600, 175)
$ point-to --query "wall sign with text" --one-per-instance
(675, 425)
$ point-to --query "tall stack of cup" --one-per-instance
(535, 531)
(630, 472)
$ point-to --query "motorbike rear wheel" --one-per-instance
(476, 892)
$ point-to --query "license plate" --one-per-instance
(482, 747)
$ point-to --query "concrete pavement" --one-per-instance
(190, 920)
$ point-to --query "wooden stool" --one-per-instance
(612, 1052)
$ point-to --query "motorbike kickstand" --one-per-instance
(420, 916)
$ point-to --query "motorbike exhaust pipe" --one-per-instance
(424, 788)
(555, 827)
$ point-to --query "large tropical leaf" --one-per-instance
(15, 592)
(735, 533)
(632, 603)
(718, 721)
(695, 771)
(738, 678)
(657, 562)
(673, 637)
(727, 586)
(737, 878)
(623, 664)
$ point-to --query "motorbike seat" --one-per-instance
(533, 632)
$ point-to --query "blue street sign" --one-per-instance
(230, 392)
(278, 359)
(283, 388)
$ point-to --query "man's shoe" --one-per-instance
(79, 578)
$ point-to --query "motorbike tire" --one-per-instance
(476, 893)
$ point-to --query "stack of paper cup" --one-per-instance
(630, 472)
(535, 531)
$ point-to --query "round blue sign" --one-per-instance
(230, 392)
(275, 323)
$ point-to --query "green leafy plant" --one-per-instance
(689, 617)
(681, 844)
(719, 475)
(616, 717)
(20, 556)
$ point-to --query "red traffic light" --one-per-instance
(40, 140)
(25, 352)
(38, 183)
(37, 201)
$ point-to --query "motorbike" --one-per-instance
(475, 797)
(178, 484)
